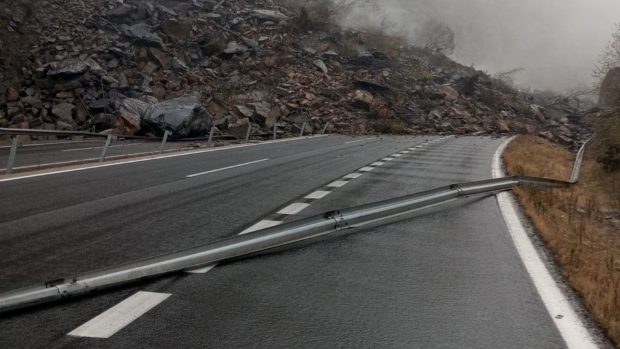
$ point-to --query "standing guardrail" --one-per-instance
(350, 219)
(109, 139)
(214, 132)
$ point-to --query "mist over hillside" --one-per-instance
(556, 41)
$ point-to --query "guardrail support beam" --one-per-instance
(275, 127)
(104, 152)
(324, 128)
(303, 127)
(247, 134)
(163, 142)
(211, 135)
(12, 154)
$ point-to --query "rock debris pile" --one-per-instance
(142, 67)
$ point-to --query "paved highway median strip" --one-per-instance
(116, 318)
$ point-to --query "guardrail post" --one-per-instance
(247, 134)
(12, 154)
(325, 128)
(108, 141)
(303, 127)
(274, 131)
(211, 135)
(163, 141)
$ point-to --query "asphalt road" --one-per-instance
(448, 278)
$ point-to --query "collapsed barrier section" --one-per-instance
(358, 217)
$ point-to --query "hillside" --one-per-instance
(138, 67)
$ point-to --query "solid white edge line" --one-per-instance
(353, 175)
(185, 153)
(570, 326)
(116, 318)
(319, 194)
(294, 208)
(225, 168)
(359, 140)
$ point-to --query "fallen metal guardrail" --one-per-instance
(242, 245)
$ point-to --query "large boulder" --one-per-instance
(185, 116)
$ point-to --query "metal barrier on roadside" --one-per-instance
(109, 139)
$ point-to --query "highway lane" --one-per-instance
(449, 278)
(66, 223)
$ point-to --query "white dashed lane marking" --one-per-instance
(225, 168)
(387, 159)
(397, 155)
(353, 175)
(201, 270)
(337, 184)
(264, 224)
(367, 169)
(114, 319)
(319, 194)
(294, 208)
(378, 163)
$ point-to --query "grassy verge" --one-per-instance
(579, 224)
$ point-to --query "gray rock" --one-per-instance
(245, 111)
(120, 13)
(142, 34)
(32, 101)
(184, 116)
(362, 99)
(250, 43)
(64, 111)
(321, 65)
(234, 48)
(179, 65)
(67, 68)
(177, 30)
(12, 94)
(269, 15)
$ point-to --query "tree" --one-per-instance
(609, 58)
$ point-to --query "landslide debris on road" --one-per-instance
(79, 64)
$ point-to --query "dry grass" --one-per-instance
(575, 223)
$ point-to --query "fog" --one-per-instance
(557, 41)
